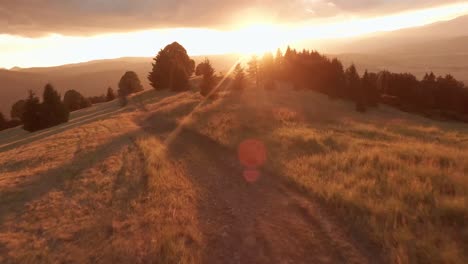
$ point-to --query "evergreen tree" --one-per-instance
(253, 70)
(110, 96)
(353, 83)
(172, 69)
(208, 80)
(369, 90)
(354, 88)
(337, 79)
(239, 78)
(32, 113)
(268, 71)
(53, 111)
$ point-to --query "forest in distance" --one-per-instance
(439, 97)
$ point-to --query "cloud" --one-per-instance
(85, 17)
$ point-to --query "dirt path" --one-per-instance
(261, 222)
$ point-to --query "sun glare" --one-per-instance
(251, 37)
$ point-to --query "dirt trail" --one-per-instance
(262, 222)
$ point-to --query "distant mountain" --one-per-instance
(446, 37)
(440, 47)
(89, 78)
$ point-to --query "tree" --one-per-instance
(239, 77)
(337, 79)
(73, 100)
(17, 110)
(253, 70)
(172, 68)
(354, 88)
(267, 70)
(53, 110)
(208, 80)
(353, 83)
(32, 113)
(369, 89)
(3, 121)
(110, 96)
(129, 84)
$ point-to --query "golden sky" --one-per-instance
(31, 42)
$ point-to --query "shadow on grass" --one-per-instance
(85, 116)
(13, 202)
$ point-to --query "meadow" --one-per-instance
(337, 186)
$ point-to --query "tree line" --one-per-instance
(35, 115)
(433, 96)
(441, 96)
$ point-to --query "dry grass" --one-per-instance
(396, 178)
(104, 190)
(96, 191)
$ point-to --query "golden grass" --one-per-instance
(399, 179)
(104, 191)
(98, 191)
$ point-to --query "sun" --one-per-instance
(258, 39)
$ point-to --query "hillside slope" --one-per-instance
(89, 78)
(175, 179)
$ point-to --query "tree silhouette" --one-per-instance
(3, 121)
(17, 110)
(369, 89)
(267, 71)
(172, 69)
(110, 96)
(129, 84)
(253, 70)
(53, 110)
(32, 113)
(208, 81)
(239, 78)
(73, 100)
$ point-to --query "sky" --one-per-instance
(37, 33)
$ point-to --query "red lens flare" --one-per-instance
(252, 155)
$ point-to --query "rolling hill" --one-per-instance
(441, 47)
(89, 78)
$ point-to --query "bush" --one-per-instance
(73, 100)
(110, 96)
(17, 110)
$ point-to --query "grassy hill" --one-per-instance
(89, 78)
(162, 181)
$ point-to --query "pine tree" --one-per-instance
(253, 70)
(53, 111)
(239, 78)
(354, 88)
(32, 113)
(268, 71)
(279, 64)
(208, 81)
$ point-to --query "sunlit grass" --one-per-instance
(398, 179)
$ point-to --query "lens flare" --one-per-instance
(252, 155)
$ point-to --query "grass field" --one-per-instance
(337, 186)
